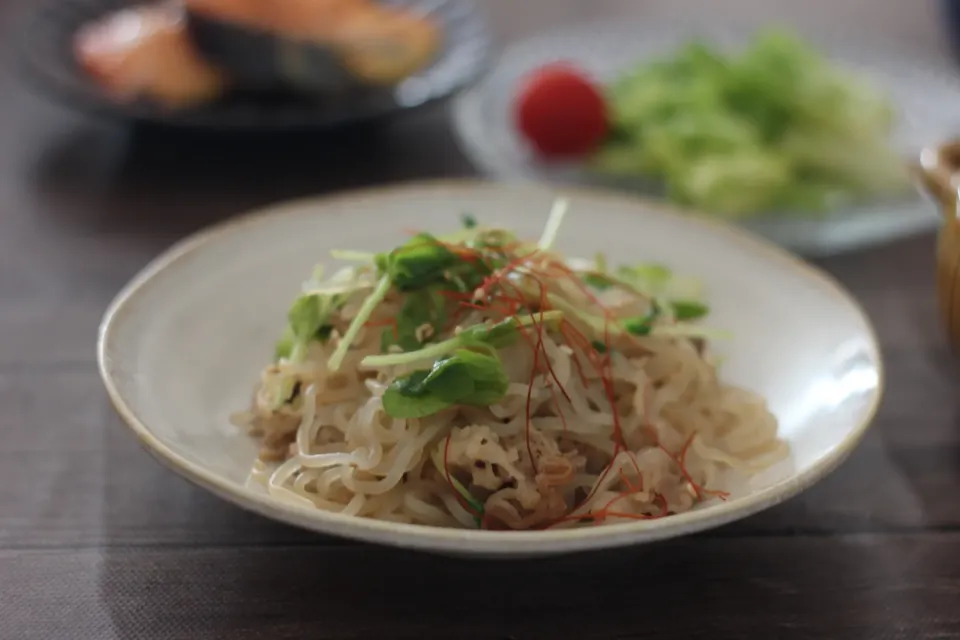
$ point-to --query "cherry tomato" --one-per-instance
(561, 111)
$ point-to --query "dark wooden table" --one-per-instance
(97, 541)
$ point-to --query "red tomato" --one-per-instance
(561, 111)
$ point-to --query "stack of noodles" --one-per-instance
(479, 380)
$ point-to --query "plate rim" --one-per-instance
(462, 541)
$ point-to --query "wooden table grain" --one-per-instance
(98, 541)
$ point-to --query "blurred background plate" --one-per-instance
(48, 64)
(926, 92)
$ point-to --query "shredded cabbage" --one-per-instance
(774, 127)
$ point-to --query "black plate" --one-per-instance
(48, 63)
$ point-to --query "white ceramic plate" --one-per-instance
(923, 90)
(182, 345)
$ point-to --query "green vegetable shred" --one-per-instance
(773, 127)
(432, 283)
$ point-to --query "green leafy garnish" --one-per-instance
(658, 281)
(600, 260)
(643, 325)
(284, 345)
(491, 239)
(688, 310)
(425, 261)
(651, 278)
(464, 377)
(287, 341)
(683, 310)
(419, 263)
(598, 281)
(463, 367)
(399, 402)
(468, 221)
(308, 314)
(366, 310)
(499, 335)
(479, 336)
(308, 319)
(423, 308)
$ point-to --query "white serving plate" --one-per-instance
(923, 90)
(182, 345)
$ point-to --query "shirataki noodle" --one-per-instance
(595, 423)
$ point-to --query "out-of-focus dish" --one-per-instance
(774, 127)
(478, 379)
(180, 52)
(146, 52)
(181, 345)
(803, 143)
(318, 46)
(253, 64)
